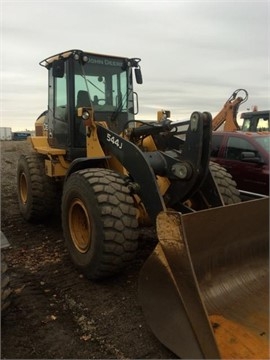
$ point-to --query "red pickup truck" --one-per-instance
(246, 158)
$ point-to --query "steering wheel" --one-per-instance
(100, 100)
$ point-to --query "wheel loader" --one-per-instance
(204, 289)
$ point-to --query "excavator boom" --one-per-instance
(228, 114)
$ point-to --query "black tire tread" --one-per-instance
(5, 284)
(119, 225)
(118, 219)
(226, 185)
(44, 194)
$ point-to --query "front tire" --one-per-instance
(225, 183)
(99, 222)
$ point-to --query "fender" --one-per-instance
(84, 163)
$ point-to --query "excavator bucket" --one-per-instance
(205, 288)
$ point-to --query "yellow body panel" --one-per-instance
(93, 148)
(41, 145)
(39, 127)
(53, 168)
(55, 164)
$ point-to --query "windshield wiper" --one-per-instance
(120, 106)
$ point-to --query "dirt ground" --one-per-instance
(56, 313)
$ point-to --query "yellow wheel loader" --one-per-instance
(204, 289)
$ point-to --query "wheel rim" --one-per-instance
(80, 226)
(23, 188)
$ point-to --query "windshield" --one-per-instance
(264, 141)
(101, 83)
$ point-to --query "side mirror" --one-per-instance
(58, 68)
(138, 75)
(249, 156)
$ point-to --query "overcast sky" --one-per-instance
(194, 53)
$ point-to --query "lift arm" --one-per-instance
(186, 169)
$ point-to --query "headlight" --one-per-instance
(85, 115)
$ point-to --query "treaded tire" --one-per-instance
(226, 185)
(5, 284)
(99, 222)
(38, 194)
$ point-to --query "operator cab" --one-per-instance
(255, 121)
(79, 79)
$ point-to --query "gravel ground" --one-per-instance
(56, 313)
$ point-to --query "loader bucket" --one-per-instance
(205, 288)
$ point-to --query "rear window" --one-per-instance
(216, 143)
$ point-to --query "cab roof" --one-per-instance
(66, 54)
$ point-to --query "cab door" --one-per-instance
(58, 108)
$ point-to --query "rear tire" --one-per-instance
(5, 284)
(37, 192)
(226, 185)
(99, 222)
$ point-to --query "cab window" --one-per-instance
(60, 99)
(263, 124)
